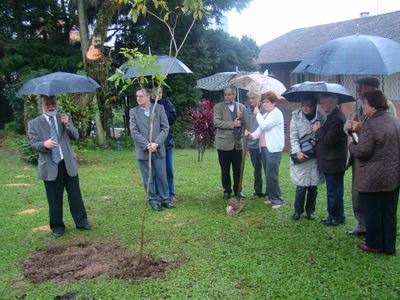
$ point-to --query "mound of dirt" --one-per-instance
(86, 259)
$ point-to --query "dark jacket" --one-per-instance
(377, 154)
(331, 144)
(171, 115)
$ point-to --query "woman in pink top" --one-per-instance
(270, 133)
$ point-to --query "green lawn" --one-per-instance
(260, 254)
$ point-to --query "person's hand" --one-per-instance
(316, 125)
(248, 134)
(239, 115)
(237, 123)
(152, 147)
(64, 119)
(301, 156)
(356, 126)
(348, 125)
(313, 142)
(256, 110)
(50, 144)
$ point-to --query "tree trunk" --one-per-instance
(83, 29)
(100, 135)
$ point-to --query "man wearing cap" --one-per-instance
(364, 85)
(50, 134)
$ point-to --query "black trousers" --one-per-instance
(226, 159)
(381, 219)
(309, 200)
(255, 157)
(55, 193)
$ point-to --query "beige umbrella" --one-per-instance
(259, 83)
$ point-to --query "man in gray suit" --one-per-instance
(139, 119)
(50, 134)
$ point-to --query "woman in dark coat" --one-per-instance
(378, 172)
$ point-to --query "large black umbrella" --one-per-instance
(168, 64)
(298, 92)
(59, 83)
(355, 54)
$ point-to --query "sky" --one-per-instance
(264, 20)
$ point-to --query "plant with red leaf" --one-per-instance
(201, 126)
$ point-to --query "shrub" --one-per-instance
(28, 154)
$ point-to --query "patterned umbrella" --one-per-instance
(218, 81)
(258, 83)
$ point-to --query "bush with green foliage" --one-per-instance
(27, 153)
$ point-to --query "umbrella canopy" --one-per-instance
(165, 61)
(218, 81)
(258, 83)
(355, 54)
(297, 92)
(59, 83)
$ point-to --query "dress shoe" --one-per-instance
(355, 232)
(365, 248)
(227, 195)
(167, 205)
(58, 234)
(311, 216)
(85, 227)
(332, 222)
(155, 206)
(296, 216)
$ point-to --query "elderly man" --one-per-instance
(144, 144)
(228, 122)
(364, 85)
(253, 145)
(50, 134)
(170, 111)
(331, 148)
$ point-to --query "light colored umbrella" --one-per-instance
(59, 83)
(258, 83)
(165, 61)
(356, 55)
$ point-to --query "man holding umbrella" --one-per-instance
(228, 121)
(50, 134)
(331, 148)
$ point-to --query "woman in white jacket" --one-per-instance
(270, 133)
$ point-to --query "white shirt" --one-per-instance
(231, 107)
(58, 132)
(273, 125)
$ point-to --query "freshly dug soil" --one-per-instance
(86, 259)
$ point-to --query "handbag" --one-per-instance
(306, 147)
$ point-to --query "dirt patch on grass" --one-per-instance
(86, 259)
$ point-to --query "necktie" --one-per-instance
(55, 152)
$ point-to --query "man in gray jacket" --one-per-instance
(139, 119)
(50, 134)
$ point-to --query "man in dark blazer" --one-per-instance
(331, 148)
(228, 122)
(139, 120)
(50, 134)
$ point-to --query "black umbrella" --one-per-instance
(297, 92)
(355, 54)
(59, 83)
(168, 64)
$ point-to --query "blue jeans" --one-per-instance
(169, 163)
(334, 194)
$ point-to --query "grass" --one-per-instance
(259, 254)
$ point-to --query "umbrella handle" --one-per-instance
(245, 142)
